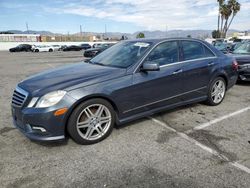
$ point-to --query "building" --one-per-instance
(20, 38)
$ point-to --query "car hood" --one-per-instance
(69, 77)
(242, 58)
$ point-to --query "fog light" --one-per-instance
(40, 129)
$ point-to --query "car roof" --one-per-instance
(157, 40)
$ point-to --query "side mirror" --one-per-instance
(150, 67)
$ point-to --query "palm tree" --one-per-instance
(227, 10)
(226, 13)
(221, 2)
(235, 8)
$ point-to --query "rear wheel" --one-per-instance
(91, 122)
(50, 50)
(217, 91)
(36, 50)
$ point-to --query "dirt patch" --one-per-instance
(213, 141)
(6, 129)
(165, 136)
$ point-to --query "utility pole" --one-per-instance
(27, 27)
(81, 30)
(105, 30)
(166, 31)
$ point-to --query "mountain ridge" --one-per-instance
(148, 34)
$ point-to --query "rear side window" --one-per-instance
(208, 52)
(164, 54)
(192, 50)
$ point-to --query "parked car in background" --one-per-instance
(72, 48)
(242, 55)
(130, 80)
(223, 47)
(96, 45)
(43, 48)
(234, 46)
(62, 47)
(94, 51)
(218, 41)
(21, 48)
(56, 47)
(85, 46)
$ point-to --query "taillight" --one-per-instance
(235, 65)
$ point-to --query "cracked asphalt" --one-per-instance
(140, 154)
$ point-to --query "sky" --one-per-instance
(127, 16)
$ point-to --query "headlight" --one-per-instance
(50, 99)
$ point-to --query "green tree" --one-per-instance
(140, 35)
(216, 34)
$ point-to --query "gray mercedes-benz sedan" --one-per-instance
(130, 80)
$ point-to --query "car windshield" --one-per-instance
(242, 49)
(220, 46)
(122, 55)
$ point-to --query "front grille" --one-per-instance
(19, 97)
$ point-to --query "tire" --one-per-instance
(86, 115)
(217, 91)
(50, 50)
(36, 50)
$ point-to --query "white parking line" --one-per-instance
(236, 164)
(204, 125)
(202, 146)
(50, 65)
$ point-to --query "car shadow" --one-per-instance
(243, 83)
(130, 123)
(157, 114)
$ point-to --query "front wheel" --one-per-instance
(217, 91)
(50, 50)
(91, 122)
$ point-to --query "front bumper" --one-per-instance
(35, 135)
(41, 124)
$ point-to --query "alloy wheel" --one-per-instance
(218, 91)
(93, 122)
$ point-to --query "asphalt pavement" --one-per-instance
(192, 146)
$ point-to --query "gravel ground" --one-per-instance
(165, 150)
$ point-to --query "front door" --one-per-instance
(154, 89)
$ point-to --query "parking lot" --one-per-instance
(192, 146)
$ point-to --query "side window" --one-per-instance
(208, 52)
(165, 53)
(192, 50)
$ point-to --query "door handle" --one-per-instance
(210, 64)
(177, 71)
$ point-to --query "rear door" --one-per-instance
(199, 63)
